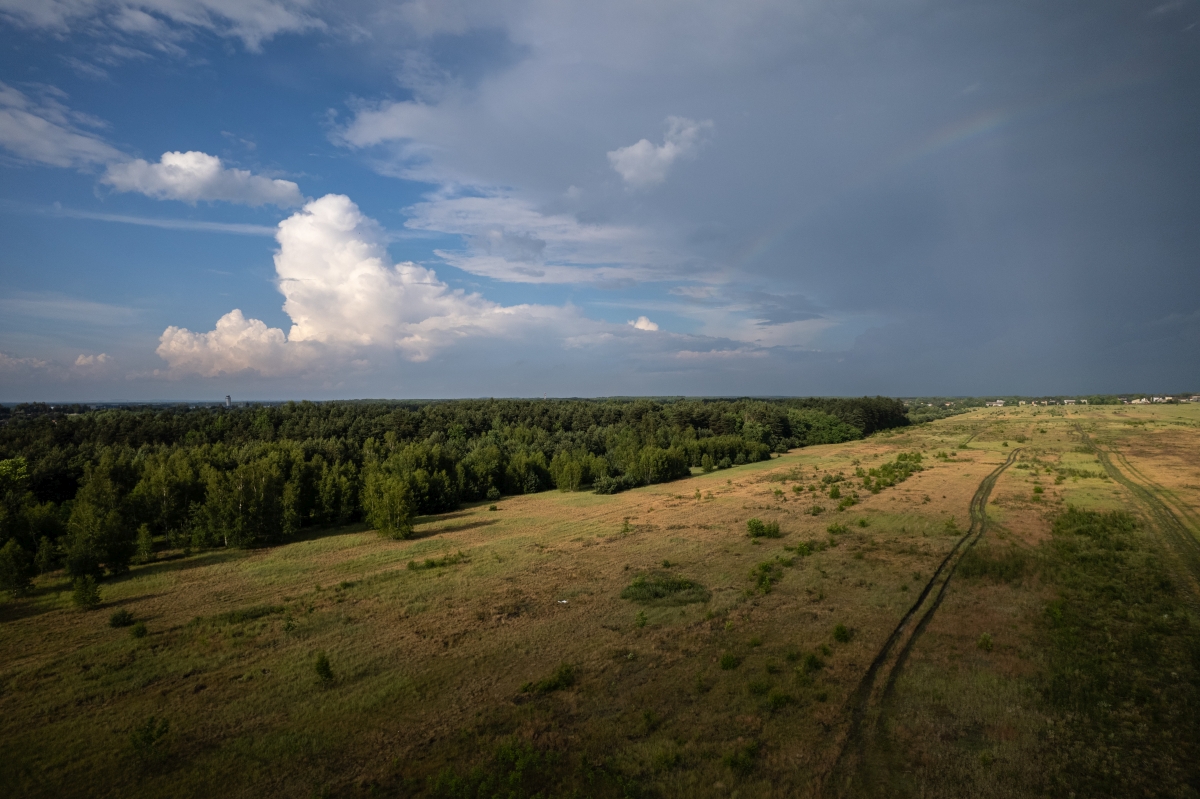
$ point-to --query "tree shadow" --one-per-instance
(176, 563)
(453, 528)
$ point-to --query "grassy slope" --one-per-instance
(429, 663)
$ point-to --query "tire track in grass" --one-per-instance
(865, 704)
(1180, 541)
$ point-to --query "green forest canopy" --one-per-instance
(93, 489)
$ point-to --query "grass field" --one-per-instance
(496, 648)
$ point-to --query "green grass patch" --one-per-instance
(1123, 673)
(665, 589)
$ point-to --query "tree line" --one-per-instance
(92, 491)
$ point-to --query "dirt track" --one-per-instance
(865, 705)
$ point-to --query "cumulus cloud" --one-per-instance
(194, 176)
(13, 365)
(251, 21)
(642, 164)
(92, 360)
(343, 293)
(45, 131)
(643, 323)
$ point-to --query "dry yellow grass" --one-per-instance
(429, 664)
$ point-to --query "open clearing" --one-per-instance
(735, 668)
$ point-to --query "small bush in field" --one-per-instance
(730, 661)
(841, 634)
(985, 642)
(86, 594)
(323, 669)
(120, 618)
(138, 630)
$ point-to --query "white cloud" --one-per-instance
(509, 239)
(343, 294)
(643, 323)
(92, 360)
(12, 365)
(251, 21)
(194, 176)
(43, 130)
(643, 164)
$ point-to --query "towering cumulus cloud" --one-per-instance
(343, 294)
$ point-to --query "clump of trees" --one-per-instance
(94, 491)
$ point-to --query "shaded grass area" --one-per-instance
(1123, 665)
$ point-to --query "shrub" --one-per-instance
(758, 687)
(777, 700)
(640, 619)
(756, 528)
(664, 589)
(86, 594)
(835, 493)
(563, 677)
(842, 634)
(835, 529)
(729, 661)
(145, 544)
(741, 760)
(813, 663)
(863, 523)
(323, 669)
(816, 510)
(985, 642)
(138, 630)
(493, 494)
(145, 738)
(120, 618)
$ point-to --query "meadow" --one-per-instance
(889, 627)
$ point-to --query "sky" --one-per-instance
(301, 199)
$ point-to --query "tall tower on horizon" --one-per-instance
(228, 401)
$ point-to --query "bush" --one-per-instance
(756, 528)
(323, 669)
(842, 634)
(86, 594)
(563, 677)
(836, 529)
(640, 619)
(139, 630)
(816, 510)
(741, 760)
(145, 738)
(493, 494)
(812, 663)
(664, 589)
(985, 642)
(120, 618)
(729, 661)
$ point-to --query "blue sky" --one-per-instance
(300, 199)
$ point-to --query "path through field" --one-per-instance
(866, 704)
(1164, 510)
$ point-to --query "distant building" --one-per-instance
(1068, 402)
(228, 401)
(995, 404)
(1022, 402)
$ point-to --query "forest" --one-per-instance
(93, 491)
